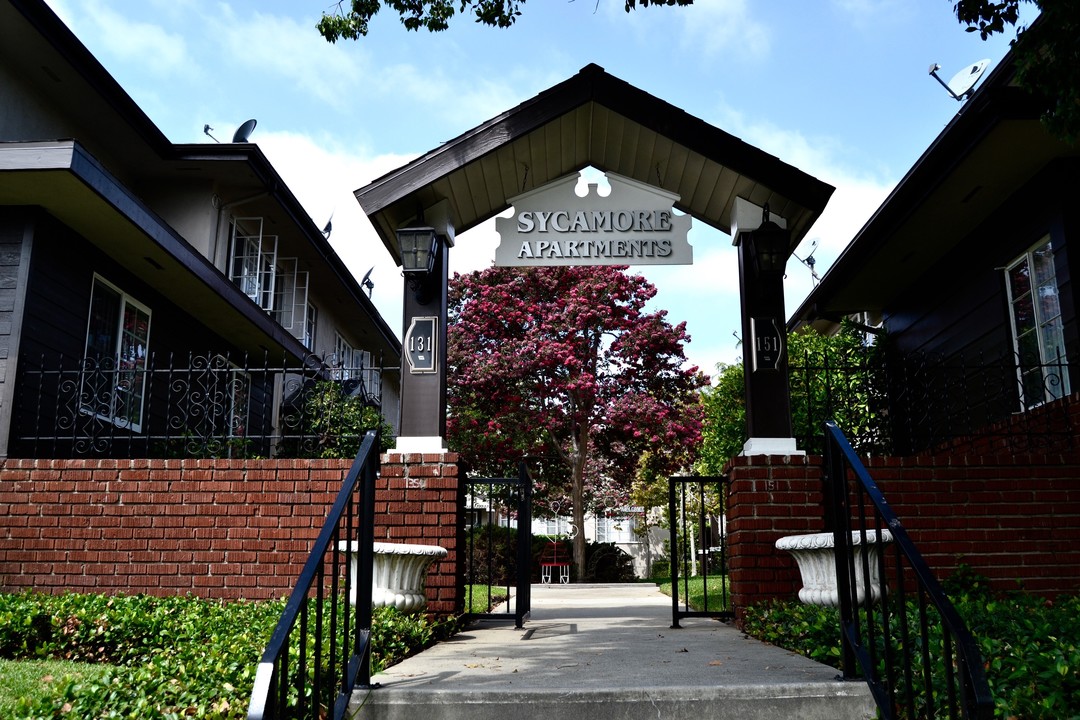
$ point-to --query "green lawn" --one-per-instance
(476, 598)
(39, 679)
(695, 588)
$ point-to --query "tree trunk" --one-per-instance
(577, 494)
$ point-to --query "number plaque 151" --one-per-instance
(421, 345)
(768, 343)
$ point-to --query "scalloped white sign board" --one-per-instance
(633, 225)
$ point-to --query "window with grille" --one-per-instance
(253, 261)
(614, 530)
(343, 358)
(291, 297)
(311, 318)
(1038, 336)
(113, 383)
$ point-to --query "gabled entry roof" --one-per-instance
(592, 119)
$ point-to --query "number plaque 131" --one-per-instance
(421, 345)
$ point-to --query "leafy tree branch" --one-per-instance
(351, 20)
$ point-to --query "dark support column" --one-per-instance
(423, 393)
(763, 252)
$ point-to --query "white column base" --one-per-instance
(420, 444)
(771, 446)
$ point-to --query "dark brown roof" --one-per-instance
(991, 148)
(592, 119)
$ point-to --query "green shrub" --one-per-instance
(167, 657)
(607, 563)
(1030, 646)
(660, 568)
(810, 630)
(492, 553)
(329, 423)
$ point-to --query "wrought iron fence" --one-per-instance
(891, 405)
(498, 545)
(320, 650)
(199, 405)
(899, 630)
(698, 542)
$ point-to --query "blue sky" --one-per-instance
(838, 88)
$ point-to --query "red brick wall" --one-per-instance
(422, 494)
(215, 528)
(1013, 518)
(770, 496)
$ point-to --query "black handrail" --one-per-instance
(910, 672)
(331, 662)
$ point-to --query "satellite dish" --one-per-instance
(206, 131)
(810, 261)
(244, 131)
(963, 83)
(329, 227)
(367, 283)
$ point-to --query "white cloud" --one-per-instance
(858, 192)
(462, 99)
(704, 29)
(283, 47)
(715, 26)
(874, 14)
(718, 25)
(323, 175)
(149, 45)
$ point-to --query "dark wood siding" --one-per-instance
(61, 279)
(13, 229)
(961, 306)
(958, 313)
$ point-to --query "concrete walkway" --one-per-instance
(606, 652)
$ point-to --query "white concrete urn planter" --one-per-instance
(814, 554)
(398, 573)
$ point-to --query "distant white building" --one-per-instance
(619, 527)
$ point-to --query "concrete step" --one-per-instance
(844, 701)
(608, 652)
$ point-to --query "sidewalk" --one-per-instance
(604, 651)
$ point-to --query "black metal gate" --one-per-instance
(699, 568)
(498, 547)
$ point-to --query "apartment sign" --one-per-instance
(633, 225)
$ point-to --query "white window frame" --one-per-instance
(1051, 375)
(343, 357)
(311, 320)
(127, 390)
(619, 530)
(350, 362)
(253, 261)
(291, 296)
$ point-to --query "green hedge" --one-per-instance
(1030, 645)
(175, 657)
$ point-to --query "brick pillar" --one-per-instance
(771, 496)
(417, 500)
